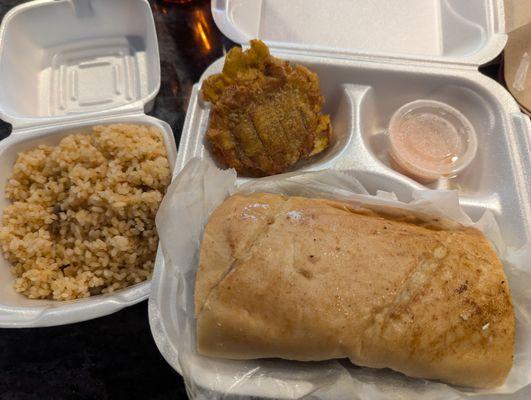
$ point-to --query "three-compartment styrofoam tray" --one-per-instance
(371, 58)
(67, 65)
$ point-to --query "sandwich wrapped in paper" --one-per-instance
(315, 279)
(238, 304)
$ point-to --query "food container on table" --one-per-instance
(67, 65)
(372, 58)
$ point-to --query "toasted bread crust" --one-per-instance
(312, 279)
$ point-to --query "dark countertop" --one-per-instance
(115, 357)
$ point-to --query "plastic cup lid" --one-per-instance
(430, 139)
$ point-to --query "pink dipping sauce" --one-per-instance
(430, 140)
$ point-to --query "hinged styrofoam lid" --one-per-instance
(451, 31)
(68, 59)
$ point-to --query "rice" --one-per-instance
(82, 218)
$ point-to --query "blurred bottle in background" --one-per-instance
(189, 41)
(177, 1)
(187, 30)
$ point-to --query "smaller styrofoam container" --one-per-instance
(65, 66)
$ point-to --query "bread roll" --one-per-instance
(313, 279)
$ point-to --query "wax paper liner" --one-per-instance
(183, 214)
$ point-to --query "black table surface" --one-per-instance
(115, 357)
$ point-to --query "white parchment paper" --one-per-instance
(182, 216)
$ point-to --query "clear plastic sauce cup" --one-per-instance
(430, 140)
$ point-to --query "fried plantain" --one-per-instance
(266, 114)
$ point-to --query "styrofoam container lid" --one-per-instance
(456, 31)
(61, 60)
(66, 65)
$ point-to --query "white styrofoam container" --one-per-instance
(371, 58)
(67, 65)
